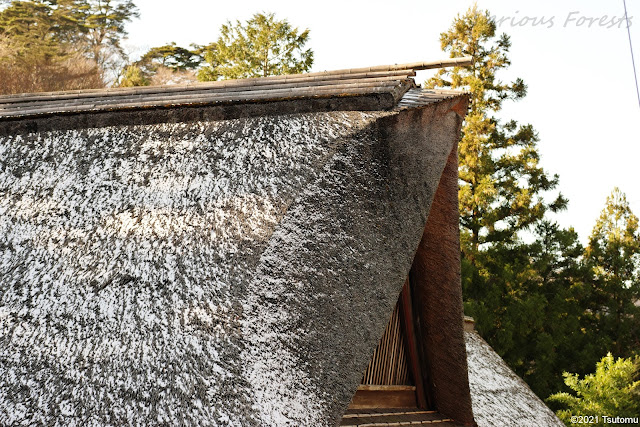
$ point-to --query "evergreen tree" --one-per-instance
(37, 49)
(133, 76)
(61, 44)
(104, 22)
(28, 33)
(163, 65)
(614, 390)
(532, 306)
(209, 71)
(527, 298)
(613, 255)
(170, 56)
(261, 47)
(501, 181)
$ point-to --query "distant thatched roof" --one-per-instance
(500, 398)
(232, 269)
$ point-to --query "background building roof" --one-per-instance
(499, 397)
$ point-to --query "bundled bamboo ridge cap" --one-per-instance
(399, 71)
(173, 91)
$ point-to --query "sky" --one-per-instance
(575, 60)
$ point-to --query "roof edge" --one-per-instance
(378, 101)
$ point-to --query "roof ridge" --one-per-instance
(407, 69)
(373, 88)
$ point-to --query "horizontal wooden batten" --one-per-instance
(386, 387)
(405, 423)
(386, 414)
(384, 397)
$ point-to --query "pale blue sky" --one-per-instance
(581, 98)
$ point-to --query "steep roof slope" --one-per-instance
(233, 269)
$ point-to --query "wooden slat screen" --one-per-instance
(389, 365)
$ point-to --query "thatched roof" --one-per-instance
(223, 254)
(500, 398)
(220, 265)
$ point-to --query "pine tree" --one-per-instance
(613, 255)
(28, 33)
(166, 64)
(261, 47)
(170, 56)
(61, 44)
(104, 21)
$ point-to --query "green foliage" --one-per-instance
(162, 65)
(209, 71)
(501, 181)
(170, 56)
(261, 47)
(104, 22)
(29, 33)
(62, 43)
(613, 390)
(133, 76)
(39, 48)
(613, 255)
(526, 298)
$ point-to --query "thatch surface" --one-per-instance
(125, 256)
(234, 272)
(499, 397)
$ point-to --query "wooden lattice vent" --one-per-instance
(393, 378)
(389, 365)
